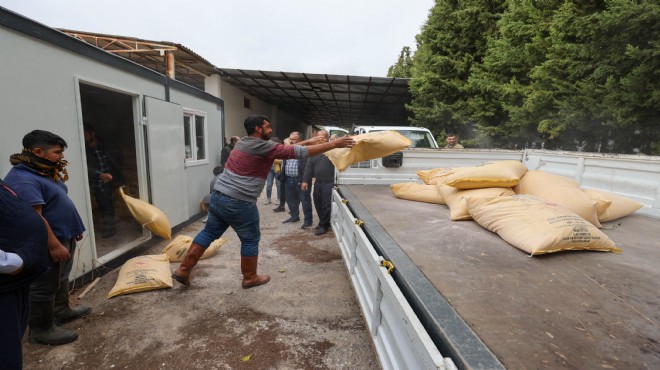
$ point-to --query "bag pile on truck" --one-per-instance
(535, 211)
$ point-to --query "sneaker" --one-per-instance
(267, 201)
(279, 209)
(291, 219)
(306, 225)
(321, 230)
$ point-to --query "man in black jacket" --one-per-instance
(104, 169)
(321, 168)
(23, 258)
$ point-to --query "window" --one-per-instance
(246, 103)
(195, 136)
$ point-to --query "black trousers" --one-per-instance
(44, 288)
(323, 202)
(14, 316)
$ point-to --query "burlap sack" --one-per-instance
(143, 273)
(178, 247)
(618, 206)
(436, 175)
(560, 190)
(502, 174)
(368, 146)
(455, 199)
(417, 192)
(148, 216)
(537, 227)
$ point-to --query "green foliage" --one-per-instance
(403, 66)
(558, 74)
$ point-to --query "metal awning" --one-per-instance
(321, 99)
(317, 99)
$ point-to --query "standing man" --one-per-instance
(226, 151)
(452, 142)
(37, 176)
(321, 168)
(295, 194)
(233, 202)
(104, 170)
(23, 257)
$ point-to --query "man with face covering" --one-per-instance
(233, 201)
(37, 176)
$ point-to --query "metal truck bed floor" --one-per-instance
(576, 310)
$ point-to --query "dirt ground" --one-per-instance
(306, 317)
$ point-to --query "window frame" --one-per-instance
(192, 132)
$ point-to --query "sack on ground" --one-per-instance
(455, 199)
(618, 207)
(178, 247)
(417, 192)
(368, 146)
(537, 227)
(436, 175)
(148, 216)
(502, 174)
(143, 273)
(560, 190)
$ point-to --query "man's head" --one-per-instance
(323, 134)
(258, 126)
(451, 139)
(295, 137)
(333, 136)
(45, 144)
(90, 135)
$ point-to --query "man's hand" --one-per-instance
(105, 177)
(312, 141)
(343, 142)
(59, 253)
(304, 186)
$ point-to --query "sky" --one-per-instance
(345, 37)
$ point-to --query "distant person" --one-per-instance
(23, 258)
(295, 195)
(233, 202)
(452, 142)
(226, 151)
(37, 176)
(104, 170)
(272, 177)
(333, 136)
(322, 170)
(217, 170)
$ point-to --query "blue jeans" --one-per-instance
(269, 184)
(295, 196)
(242, 216)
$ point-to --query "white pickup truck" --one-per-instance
(461, 297)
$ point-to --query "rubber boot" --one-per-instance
(63, 311)
(42, 326)
(182, 274)
(249, 270)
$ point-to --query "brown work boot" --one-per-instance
(182, 274)
(249, 270)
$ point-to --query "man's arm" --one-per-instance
(342, 142)
(312, 141)
(57, 251)
(10, 263)
(308, 173)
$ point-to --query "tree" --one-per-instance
(403, 66)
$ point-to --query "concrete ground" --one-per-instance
(306, 317)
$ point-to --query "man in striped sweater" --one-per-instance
(233, 201)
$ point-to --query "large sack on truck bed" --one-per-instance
(619, 206)
(455, 199)
(143, 273)
(436, 175)
(417, 192)
(502, 174)
(178, 247)
(537, 227)
(368, 146)
(560, 190)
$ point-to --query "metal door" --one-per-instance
(165, 150)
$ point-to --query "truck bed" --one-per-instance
(575, 310)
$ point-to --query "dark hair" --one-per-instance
(450, 134)
(88, 128)
(42, 139)
(253, 121)
(276, 139)
(217, 170)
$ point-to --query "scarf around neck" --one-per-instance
(53, 170)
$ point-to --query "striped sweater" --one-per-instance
(248, 165)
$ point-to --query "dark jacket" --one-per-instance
(22, 231)
(115, 160)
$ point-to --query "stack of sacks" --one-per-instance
(368, 146)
